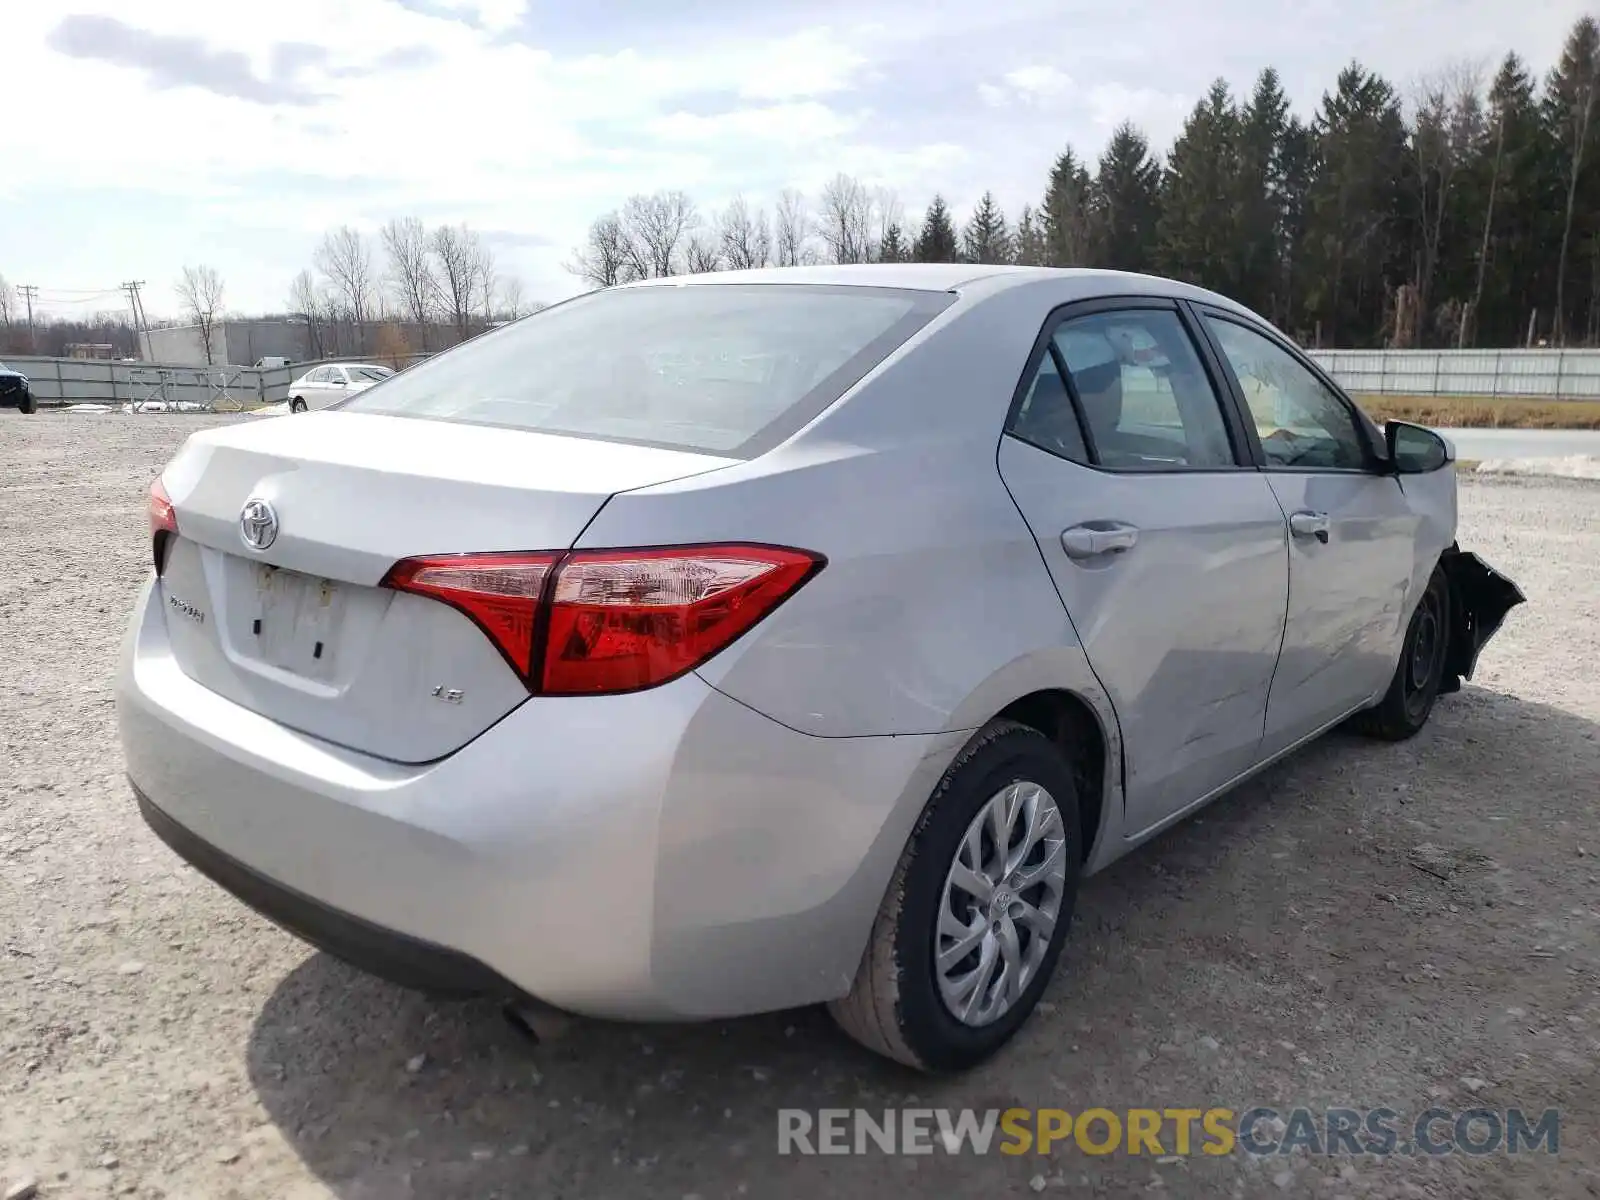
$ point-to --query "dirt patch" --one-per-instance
(1365, 925)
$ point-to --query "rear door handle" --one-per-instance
(1091, 541)
(1309, 525)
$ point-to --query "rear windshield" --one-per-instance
(724, 369)
(372, 373)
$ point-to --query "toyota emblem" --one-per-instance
(258, 524)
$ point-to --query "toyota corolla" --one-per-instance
(732, 643)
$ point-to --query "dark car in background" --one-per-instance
(14, 391)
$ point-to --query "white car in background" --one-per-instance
(321, 386)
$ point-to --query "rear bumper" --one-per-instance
(408, 961)
(660, 855)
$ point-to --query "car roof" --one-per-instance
(1082, 282)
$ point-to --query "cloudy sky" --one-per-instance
(140, 137)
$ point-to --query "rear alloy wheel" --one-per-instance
(976, 915)
(297, 405)
(1406, 706)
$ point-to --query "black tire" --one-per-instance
(29, 402)
(1406, 706)
(297, 405)
(894, 1006)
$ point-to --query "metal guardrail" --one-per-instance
(164, 387)
(1527, 374)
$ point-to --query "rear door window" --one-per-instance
(1136, 396)
(724, 369)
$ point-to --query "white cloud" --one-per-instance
(1038, 86)
(1043, 82)
(496, 16)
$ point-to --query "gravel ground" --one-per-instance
(157, 1039)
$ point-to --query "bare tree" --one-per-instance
(1574, 86)
(655, 226)
(200, 293)
(488, 281)
(845, 225)
(746, 239)
(792, 229)
(887, 213)
(346, 260)
(456, 251)
(8, 301)
(702, 254)
(511, 301)
(604, 260)
(410, 273)
(305, 301)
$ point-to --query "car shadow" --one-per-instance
(384, 1093)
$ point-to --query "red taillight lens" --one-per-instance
(162, 517)
(163, 523)
(610, 620)
(500, 592)
(625, 620)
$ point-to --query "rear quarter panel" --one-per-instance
(935, 602)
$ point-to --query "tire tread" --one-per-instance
(870, 1011)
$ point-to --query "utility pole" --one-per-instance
(140, 326)
(29, 291)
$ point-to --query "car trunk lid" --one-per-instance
(300, 631)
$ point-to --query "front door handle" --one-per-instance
(1091, 541)
(1310, 525)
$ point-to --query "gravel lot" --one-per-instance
(157, 1039)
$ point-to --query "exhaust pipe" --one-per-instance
(535, 1021)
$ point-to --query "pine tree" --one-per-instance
(893, 248)
(1125, 202)
(1297, 170)
(936, 240)
(1197, 234)
(987, 237)
(1263, 240)
(1504, 190)
(1066, 213)
(1353, 207)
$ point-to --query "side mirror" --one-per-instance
(1415, 449)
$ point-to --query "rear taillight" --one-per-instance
(163, 523)
(501, 592)
(596, 621)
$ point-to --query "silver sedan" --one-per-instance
(731, 643)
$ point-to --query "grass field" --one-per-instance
(1483, 412)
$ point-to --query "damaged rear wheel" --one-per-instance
(1405, 707)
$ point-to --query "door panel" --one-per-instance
(1347, 598)
(1183, 627)
(1353, 535)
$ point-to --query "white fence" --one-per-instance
(152, 386)
(1537, 374)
